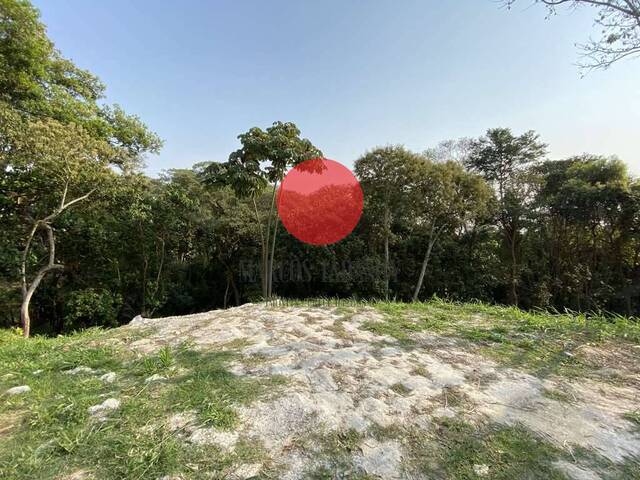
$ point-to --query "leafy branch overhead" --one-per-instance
(618, 22)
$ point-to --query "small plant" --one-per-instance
(400, 389)
(557, 395)
(163, 361)
(633, 417)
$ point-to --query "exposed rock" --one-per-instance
(108, 377)
(18, 390)
(246, 471)
(382, 459)
(481, 470)
(210, 436)
(81, 370)
(156, 377)
(335, 385)
(103, 409)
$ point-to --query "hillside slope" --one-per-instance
(388, 391)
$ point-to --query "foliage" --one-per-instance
(88, 308)
(619, 23)
(487, 219)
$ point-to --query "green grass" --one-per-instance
(400, 389)
(334, 452)
(633, 417)
(558, 395)
(48, 432)
(539, 342)
(453, 447)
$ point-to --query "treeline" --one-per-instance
(86, 239)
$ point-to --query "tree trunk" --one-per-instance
(263, 250)
(514, 271)
(28, 291)
(433, 236)
(236, 293)
(273, 254)
(387, 229)
(226, 294)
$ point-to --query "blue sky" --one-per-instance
(352, 74)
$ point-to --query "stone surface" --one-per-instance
(81, 370)
(19, 390)
(350, 378)
(155, 378)
(109, 377)
(103, 409)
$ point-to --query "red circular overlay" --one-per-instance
(320, 201)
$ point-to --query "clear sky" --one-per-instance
(352, 74)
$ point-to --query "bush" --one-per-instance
(90, 307)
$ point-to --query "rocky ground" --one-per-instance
(344, 378)
(328, 392)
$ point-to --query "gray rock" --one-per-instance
(100, 410)
(19, 390)
(108, 377)
(481, 470)
(80, 370)
(155, 378)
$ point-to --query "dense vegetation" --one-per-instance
(87, 239)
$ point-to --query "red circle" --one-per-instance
(320, 201)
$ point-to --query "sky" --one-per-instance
(352, 74)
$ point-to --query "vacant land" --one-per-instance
(380, 391)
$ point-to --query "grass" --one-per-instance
(48, 432)
(557, 395)
(400, 389)
(633, 417)
(455, 449)
(540, 342)
(334, 452)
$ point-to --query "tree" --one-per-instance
(36, 81)
(279, 147)
(56, 140)
(446, 197)
(456, 150)
(619, 21)
(51, 167)
(385, 175)
(501, 158)
(590, 212)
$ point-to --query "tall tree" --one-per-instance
(501, 158)
(445, 197)
(53, 168)
(386, 174)
(57, 140)
(261, 163)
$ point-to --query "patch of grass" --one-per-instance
(633, 417)
(540, 342)
(455, 447)
(49, 432)
(422, 371)
(628, 469)
(454, 397)
(334, 455)
(211, 389)
(557, 395)
(162, 362)
(400, 389)
(338, 330)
